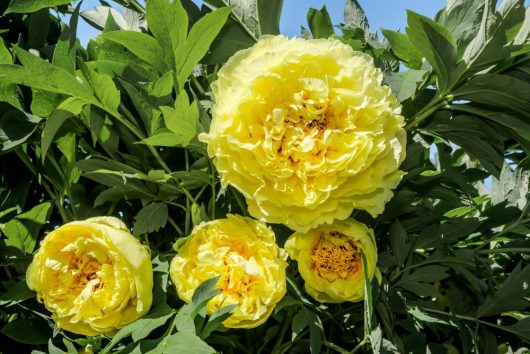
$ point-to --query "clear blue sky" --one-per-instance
(381, 13)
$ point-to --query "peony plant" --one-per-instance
(190, 180)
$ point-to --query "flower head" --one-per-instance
(93, 275)
(330, 260)
(243, 252)
(305, 131)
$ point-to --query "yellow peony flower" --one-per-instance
(93, 275)
(244, 253)
(330, 261)
(305, 131)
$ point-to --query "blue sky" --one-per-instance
(381, 13)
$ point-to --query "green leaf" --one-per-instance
(398, 242)
(16, 127)
(462, 18)
(168, 21)
(142, 327)
(436, 44)
(23, 230)
(163, 139)
(490, 43)
(216, 320)
(28, 331)
(204, 293)
(405, 84)
(182, 343)
(151, 218)
(511, 296)
(320, 23)
(432, 273)
(485, 145)
(182, 120)
(141, 45)
(27, 6)
(39, 25)
(354, 16)
(497, 90)
(198, 42)
(269, 16)
(16, 294)
(521, 328)
(69, 108)
(40, 74)
(299, 322)
(403, 48)
(104, 88)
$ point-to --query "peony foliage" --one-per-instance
(193, 181)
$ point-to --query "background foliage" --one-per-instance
(111, 129)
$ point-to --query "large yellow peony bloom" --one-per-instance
(330, 261)
(244, 253)
(93, 275)
(305, 131)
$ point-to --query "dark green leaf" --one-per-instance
(204, 293)
(511, 296)
(151, 218)
(436, 44)
(16, 127)
(23, 330)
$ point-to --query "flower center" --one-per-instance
(309, 106)
(335, 256)
(85, 270)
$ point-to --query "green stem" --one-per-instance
(433, 106)
(507, 250)
(24, 158)
(137, 7)
(197, 85)
(175, 226)
(422, 264)
(360, 345)
(335, 347)
(476, 320)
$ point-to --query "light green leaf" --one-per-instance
(403, 48)
(183, 120)
(151, 218)
(141, 45)
(354, 16)
(27, 6)
(168, 21)
(320, 23)
(198, 42)
(182, 343)
(23, 230)
(104, 88)
(40, 74)
(163, 139)
(69, 108)
(436, 44)
(405, 84)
